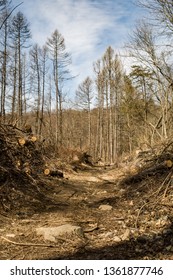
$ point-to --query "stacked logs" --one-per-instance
(22, 150)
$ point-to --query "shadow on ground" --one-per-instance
(156, 247)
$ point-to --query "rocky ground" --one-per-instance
(119, 219)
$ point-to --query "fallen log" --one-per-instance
(22, 141)
(150, 171)
(168, 163)
(26, 141)
(33, 138)
(54, 173)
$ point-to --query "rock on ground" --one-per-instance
(105, 207)
(53, 233)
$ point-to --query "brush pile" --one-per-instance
(21, 160)
(156, 162)
(26, 170)
(149, 186)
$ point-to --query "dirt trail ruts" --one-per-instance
(124, 232)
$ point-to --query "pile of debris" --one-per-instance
(150, 163)
(149, 187)
(25, 169)
(21, 161)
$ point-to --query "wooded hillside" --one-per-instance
(113, 113)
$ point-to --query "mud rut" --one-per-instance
(130, 230)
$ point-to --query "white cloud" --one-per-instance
(80, 22)
(88, 27)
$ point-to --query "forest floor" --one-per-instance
(138, 224)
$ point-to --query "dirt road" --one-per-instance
(117, 220)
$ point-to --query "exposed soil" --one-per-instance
(138, 196)
(139, 226)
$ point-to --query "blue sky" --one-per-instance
(88, 26)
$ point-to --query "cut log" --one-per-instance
(27, 140)
(49, 172)
(148, 172)
(22, 141)
(18, 164)
(169, 163)
(33, 139)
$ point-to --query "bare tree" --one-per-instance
(84, 96)
(61, 60)
(44, 70)
(36, 74)
(161, 11)
(99, 143)
(20, 34)
(4, 59)
(4, 4)
(145, 49)
(109, 84)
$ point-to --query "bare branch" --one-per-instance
(10, 14)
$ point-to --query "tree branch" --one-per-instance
(10, 15)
